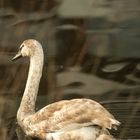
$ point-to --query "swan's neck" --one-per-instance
(27, 106)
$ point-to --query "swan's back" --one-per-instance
(69, 115)
(81, 111)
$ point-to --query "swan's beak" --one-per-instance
(17, 56)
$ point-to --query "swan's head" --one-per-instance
(27, 48)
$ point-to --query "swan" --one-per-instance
(76, 119)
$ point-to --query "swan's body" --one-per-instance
(77, 119)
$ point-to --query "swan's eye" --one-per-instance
(21, 47)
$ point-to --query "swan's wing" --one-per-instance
(73, 113)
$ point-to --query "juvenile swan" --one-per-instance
(77, 119)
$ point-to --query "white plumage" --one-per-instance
(77, 119)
